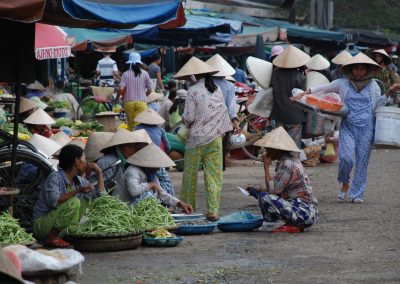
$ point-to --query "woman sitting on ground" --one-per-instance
(141, 181)
(288, 195)
(64, 196)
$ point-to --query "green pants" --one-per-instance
(65, 215)
(211, 157)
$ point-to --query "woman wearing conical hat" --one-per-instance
(38, 122)
(207, 120)
(139, 182)
(361, 96)
(320, 64)
(340, 59)
(288, 194)
(284, 79)
(385, 74)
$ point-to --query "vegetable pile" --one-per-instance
(11, 232)
(153, 214)
(107, 214)
(60, 104)
(63, 122)
(23, 133)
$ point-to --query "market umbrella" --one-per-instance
(51, 42)
(259, 52)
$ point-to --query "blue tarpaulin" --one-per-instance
(123, 12)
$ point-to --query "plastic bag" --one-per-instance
(183, 133)
(263, 103)
(57, 259)
(330, 150)
(238, 217)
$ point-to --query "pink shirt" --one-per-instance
(136, 87)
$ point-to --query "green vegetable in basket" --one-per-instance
(11, 232)
(107, 215)
(153, 214)
(64, 122)
(90, 106)
(9, 127)
(59, 104)
(92, 125)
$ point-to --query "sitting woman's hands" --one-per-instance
(266, 158)
(155, 187)
(85, 189)
(92, 167)
(186, 208)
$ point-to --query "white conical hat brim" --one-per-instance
(45, 145)
(315, 78)
(149, 116)
(291, 57)
(76, 142)
(26, 104)
(224, 68)
(61, 138)
(95, 143)
(151, 156)
(278, 139)
(382, 51)
(260, 70)
(123, 136)
(230, 78)
(342, 58)
(39, 117)
(360, 58)
(195, 67)
(35, 86)
(318, 62)
(154, 97)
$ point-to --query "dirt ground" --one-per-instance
(351, 243)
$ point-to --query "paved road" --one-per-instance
(351, 243)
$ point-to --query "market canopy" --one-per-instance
(95, 13)
(50, 42)
(369, 38)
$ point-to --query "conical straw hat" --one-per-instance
(154, 97)
(224, 68)
(26, 104)
(195, 67)
(230, 79)
(45, 145)
(260, 70)
(318, 62)
(39, 117)
(315, 78)
(278, 139)
(95, 143)
(36, 86)
(123, 136)
(360, 58)
(382, 51)
(149, 116)
(342, 58)
(61, 138)
(76, 142)
(151, 156)
(291, 57)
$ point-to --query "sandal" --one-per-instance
(58, 243)
(288, 228)
(212, 217)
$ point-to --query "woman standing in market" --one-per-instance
(64, 196)
(207, 120)
(361, 96)
(155, 72)
(136, 85)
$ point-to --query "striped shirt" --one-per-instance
(136, 87)
(106, 67)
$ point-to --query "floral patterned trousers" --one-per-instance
(211, 157)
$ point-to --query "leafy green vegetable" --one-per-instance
(64, 122)
(92, 125)
(89, 107)
(9, 127)
(11, 232)
(59, 104)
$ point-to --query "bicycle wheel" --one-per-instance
(252, 133)
(32, 171)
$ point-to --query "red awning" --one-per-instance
(50, 42)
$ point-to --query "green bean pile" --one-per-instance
(107, 214)
(153, 214)
(11, 232)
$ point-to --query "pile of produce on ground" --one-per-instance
(11, 232)
(107, 215)
(23, 133)
(153, 214)
(160, 233)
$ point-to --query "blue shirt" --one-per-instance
(228, 90)
(157, 134)
(34, 93)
